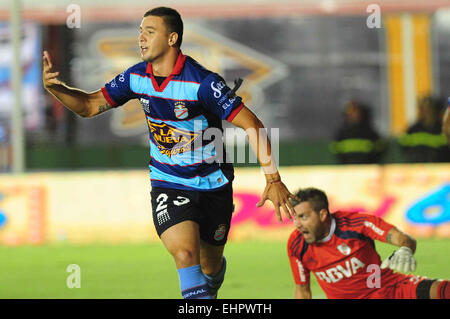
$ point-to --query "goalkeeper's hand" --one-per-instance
(401, 260)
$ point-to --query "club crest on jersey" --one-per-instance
(219, 234)
(344, 249)
(181, 112)
(171, 140)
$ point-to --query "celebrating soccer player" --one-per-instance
(339, 249)
(191, 180)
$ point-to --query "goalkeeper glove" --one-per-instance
(401, 260)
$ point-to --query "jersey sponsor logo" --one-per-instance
(113, 83)
(217, 88)
(335, 274)
(171, 140)
(374, 228)
(181, 112)
(224, 101)
(219, 234)
(344, 249)
(228, 103)
(145, 105)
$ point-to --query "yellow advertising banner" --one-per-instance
(114, 206)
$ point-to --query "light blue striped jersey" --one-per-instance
(184, 116)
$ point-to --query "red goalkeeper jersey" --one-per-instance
(341, 261)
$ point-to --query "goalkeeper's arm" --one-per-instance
(400, 239)
(302, 291)
(403, 258)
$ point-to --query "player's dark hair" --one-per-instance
(316, 197)
(172, 20)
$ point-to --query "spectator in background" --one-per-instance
(424, 141)
(4, 149)
(446, 122)
(356, 141)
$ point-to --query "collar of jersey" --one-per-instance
(176, 70)
(332, 229)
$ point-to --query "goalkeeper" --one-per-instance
(339, 250)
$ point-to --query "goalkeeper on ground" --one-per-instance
(339, 250)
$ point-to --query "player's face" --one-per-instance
(153, 38)
(308, 222)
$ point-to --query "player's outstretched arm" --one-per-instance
(275, 189)
(78, 101)
(403, 258)
(302, 292)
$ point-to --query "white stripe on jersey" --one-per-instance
(301, 270)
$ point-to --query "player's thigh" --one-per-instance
(182, 238)
(170, 207)
(175, 216)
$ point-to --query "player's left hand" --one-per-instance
(279, 195)
(401, 260)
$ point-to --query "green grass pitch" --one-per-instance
(256, 269)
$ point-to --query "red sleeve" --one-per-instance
(299, 271)
(369, 225)
(108, 98)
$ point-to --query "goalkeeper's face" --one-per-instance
(310, 223)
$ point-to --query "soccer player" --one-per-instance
(184, 105)
(339, 249)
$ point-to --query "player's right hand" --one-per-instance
(49, 78)
(401, 260)
(279, 195)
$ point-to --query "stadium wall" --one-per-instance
(114, 206)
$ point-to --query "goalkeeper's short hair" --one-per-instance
(316, 197)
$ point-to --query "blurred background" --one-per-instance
(355, 89)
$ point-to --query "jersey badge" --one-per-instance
(220, 232)
(344, 249)
(181, 112)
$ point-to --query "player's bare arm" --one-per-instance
(403, 258)
(302, 291)
(399, 238)
(78, 101)
(275, 189)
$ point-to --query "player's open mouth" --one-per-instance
(144, 49)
